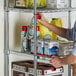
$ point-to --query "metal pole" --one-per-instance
(69, 23)
(7, 38)
(35, 39)
(69, 14)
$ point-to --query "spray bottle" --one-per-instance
(24, 39)
(31, 28)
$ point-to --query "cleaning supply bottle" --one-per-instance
(31, 28)
(59, 24)
(43, 30)
(41, 3)
(24, 42)
(53, 35)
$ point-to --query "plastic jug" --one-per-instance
(43, 30)
(53, 35)
(56, 22)
(41, 3)
(59, 22)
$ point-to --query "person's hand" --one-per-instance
(56, 62)
(42, 20)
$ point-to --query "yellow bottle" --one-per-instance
(43, 30)
(59, 22)
(27, 3)
(43, 3)
(53, 35)
(56, 22)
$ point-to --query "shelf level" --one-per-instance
(29, 54)
(21, 10)
(41, 57)
(44, 10)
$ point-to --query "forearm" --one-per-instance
(70, 59)
(59, 31)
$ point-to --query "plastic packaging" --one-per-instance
(43, 30)
(60, 24)
(40, 47)
(31, 28)
(24, 39)
(40, 3)
(51, 48)
(56, 22)
(53, 35)
(20, 3)
(57, 4)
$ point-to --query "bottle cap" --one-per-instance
(38, 28)
(38, 16)
(24, 28)
(53, 18)
(53, 69)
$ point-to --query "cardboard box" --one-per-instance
(20, 3)
(30, 3)
(57, 3)
(26, 68)
(66, 47)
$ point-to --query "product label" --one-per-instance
(31, 71)
(59, 70)
(51, 48)
(20, 3)
(19, 68)
(46, 51)
(32, 46)
(31, 32)
(57, 3)
(40, 47)
(25, 43)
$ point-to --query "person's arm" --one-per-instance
(58, 62)
(55, 29)
(70, 59)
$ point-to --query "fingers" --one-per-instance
(41, 14)
(56, 62)
(39, 20)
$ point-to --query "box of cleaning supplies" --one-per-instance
(26, 68)
(57, 3)
(51, 48)
(20, 3)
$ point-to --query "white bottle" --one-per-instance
(24, 41)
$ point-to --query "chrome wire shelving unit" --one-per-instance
(35, 10)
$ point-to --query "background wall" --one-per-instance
(16, 20)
